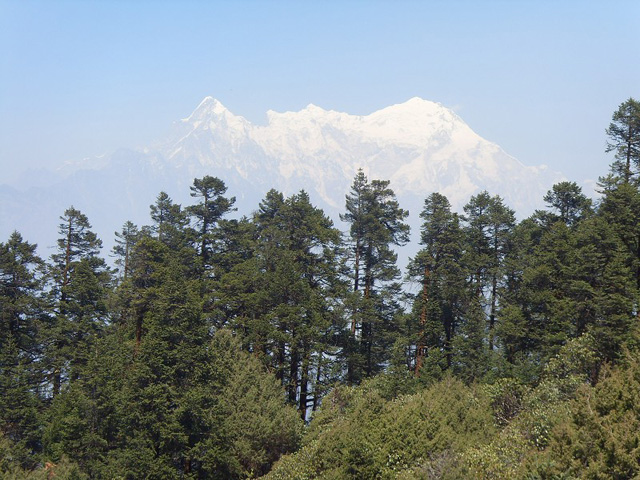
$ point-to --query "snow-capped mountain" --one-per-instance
(421, 146)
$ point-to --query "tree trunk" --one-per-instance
(356, 281)
(638, 273)
(304, 385)
(492, 313)
(139, 322)
(294, 367)
(367, 325)
(421, 349)
(448, 330)
(316, 397)
(57, 380)
(281, 358)
(627, 172)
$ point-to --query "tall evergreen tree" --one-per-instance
(620, 207)
(603, 288)
(169, 221)
(624, 139)
(568, 200)
(621, 200)
(377, 224)
(180, 412)
(207, 213)
(518, 328)
(290, 294)
(439, 303)
(489, 224)
(21, 306)
(356, 204)
(125, 240)
(79, 286)
(161, 410)
(21, 314)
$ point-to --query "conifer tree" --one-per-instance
(620, 207)
(21, 315)
(439, 303)
(182, 411)
(489, 224)
(569, 201)
(294, 294)
(168, 343)
(169, 221)
(207, 213)
(519, 326)
(376, 225)
(624, 139)
(603, 288)
(80, 280)
(125, 240)
(21, 306)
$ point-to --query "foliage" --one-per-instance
(376, 224)
(600, 437)
(362, 435)
(624, 139)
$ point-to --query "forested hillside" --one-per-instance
(276, 345)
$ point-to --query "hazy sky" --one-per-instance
(540, 78)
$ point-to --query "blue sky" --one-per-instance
(540, 78)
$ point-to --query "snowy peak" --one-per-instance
(314, 109)
(211, 113)
(311, 114)
(418, 122)
(412, 122)
(415, 122)
(208, 108)
(415, 107)
(421, 146)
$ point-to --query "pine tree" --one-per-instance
(355, 212)
(519, 325)
(183, 408)
(82, 422)
(620, 207)
(569, 201)
(161, 422)
(256, 425)
(125, 240)
(603, 288)
(377, 223)
(489, 225)
(21, 306)
(624, 140)
(439, 303)
(20, 404)
(206, 214)
(169, 221)
(80, 280)
(291, 292)
(21, 314)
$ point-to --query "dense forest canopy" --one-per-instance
(216, 347)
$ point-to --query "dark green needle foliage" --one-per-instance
(624, 139)
(440, 302)
(79, 283)
(376, 226)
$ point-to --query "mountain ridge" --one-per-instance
(419, 145)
